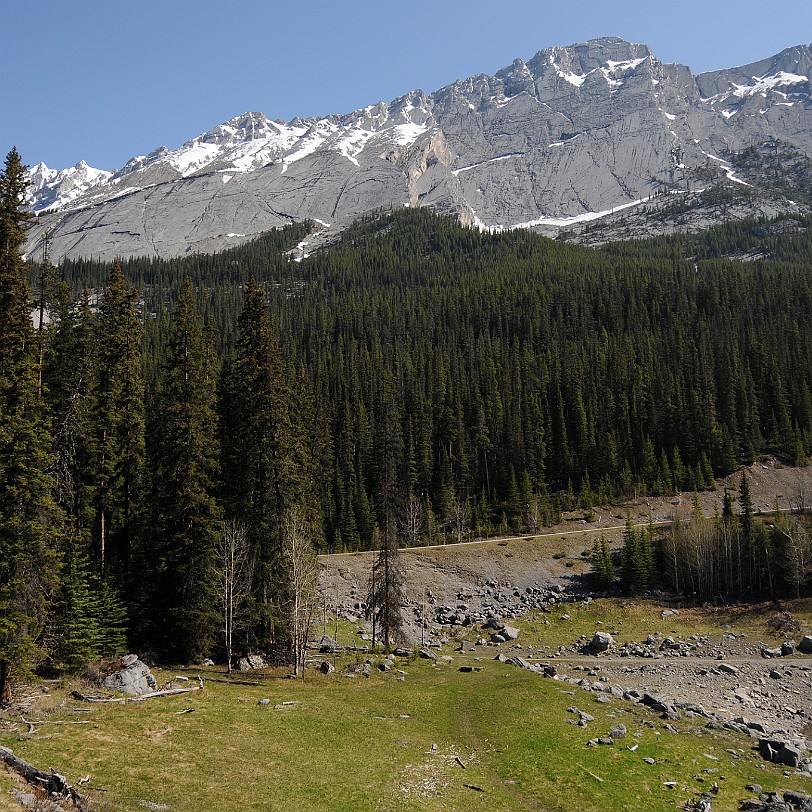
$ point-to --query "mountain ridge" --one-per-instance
(573, 135)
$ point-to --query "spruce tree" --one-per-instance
(184, 467)
(386, 585)
(29, 518)
(603, 571)
(118, 427)
(267, 471)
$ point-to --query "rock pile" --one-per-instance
(774, 802)
(492, 600)
(776, 745)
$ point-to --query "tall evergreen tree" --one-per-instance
(184, 466)
(29, 518)
(267, 471)
(118, 426)
(386, 585)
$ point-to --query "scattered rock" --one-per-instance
(768, 653)
(326, 667)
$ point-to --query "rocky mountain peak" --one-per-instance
(574, 134)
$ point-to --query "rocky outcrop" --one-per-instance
(596, 130)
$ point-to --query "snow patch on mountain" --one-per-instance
(52, 188)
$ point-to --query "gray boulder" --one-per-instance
(601, 641)
(781, 752)
(805, 646)
(251, 662)
(133, 678)
(509, 632)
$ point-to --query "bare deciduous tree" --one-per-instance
(412, 520)
(297, 549)
(234, 556)
(796, 551)
(797, 501)
(460, 517)
(532, 514)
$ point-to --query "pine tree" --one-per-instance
(266, 467)
(29, 519)
(185, 471)
(603, 570)
(118, 427)
(386, 587)
(78, 618)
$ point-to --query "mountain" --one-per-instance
(598, 139)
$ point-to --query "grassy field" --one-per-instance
(398, 741)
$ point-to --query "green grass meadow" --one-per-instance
(424, 736)
(382, 744)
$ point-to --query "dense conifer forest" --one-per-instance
(417, 381)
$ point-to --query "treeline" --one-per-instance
(732, 556)
(417, 380)
(522, 376)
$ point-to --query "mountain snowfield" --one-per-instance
(573, 135)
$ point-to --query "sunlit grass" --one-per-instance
(399, 741)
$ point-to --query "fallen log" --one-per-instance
(166, 692)
(96, 697)
(51, 782)
(234, 681)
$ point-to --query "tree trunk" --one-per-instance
(5, 683)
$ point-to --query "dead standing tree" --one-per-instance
(235, 562)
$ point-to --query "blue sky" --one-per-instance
(103, 80)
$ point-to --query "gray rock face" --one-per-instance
(572, 135)
(132, 678)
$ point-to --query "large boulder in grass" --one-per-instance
(133, 677)
(252, 662)
(601, 641)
